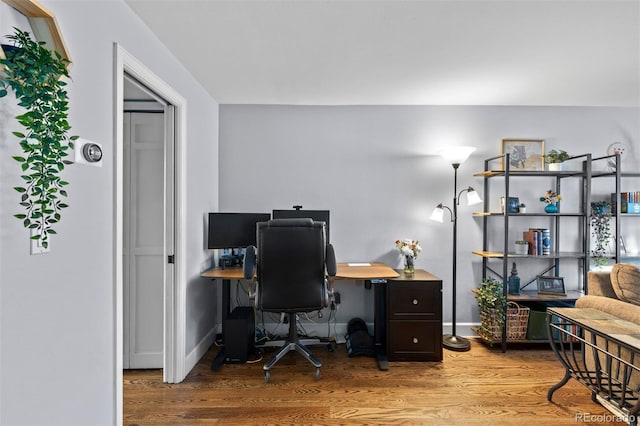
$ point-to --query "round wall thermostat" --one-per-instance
(92, 152)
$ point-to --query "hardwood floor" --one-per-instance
(481, 387)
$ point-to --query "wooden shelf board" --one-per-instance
(559, 255)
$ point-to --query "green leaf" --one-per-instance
(20, 216)
(19, 189)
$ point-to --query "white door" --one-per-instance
(144, 259)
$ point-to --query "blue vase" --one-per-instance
(551, 208)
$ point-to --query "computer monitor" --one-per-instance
(316, 215)
(234, 230)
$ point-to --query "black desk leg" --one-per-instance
(226, 294)
(379, 324)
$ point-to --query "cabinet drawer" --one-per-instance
(414, 341)
(417, 300)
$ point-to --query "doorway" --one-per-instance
(148, 143)
(128, 68)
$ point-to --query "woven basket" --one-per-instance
(517, 321)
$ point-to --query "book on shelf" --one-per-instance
(629, 202)
(539, 240)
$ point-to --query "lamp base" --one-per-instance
(455, 343)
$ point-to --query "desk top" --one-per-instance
(345, 271)
(362, 271)
(233, 273)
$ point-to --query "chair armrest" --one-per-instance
(249, 266)
(332, 268)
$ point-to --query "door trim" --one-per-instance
(175, 297)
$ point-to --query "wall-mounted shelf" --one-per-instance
(44, 27)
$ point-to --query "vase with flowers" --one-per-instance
(409, 250)
(551, 198)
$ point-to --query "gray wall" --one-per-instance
(375, 168)
(57, 310)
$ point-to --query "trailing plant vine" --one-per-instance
(35, 74)
(600, 216)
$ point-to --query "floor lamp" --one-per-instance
(456, 155)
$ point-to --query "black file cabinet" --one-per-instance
(414, 317)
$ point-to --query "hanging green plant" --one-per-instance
(35, 75)
(600, 217)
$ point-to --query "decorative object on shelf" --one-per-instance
(551, 198)
(616, 148)
(456, 155)
(524, 154)
(512, 205)
(514, 281)
(409, 250)
(600, 217)
(554, 159)
(521, 247)
(35, 74)
(551, 208)
(522, 208)
(550, 285)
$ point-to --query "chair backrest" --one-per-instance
(291, 265)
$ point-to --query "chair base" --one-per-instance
(293, 343)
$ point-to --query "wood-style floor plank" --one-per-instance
(480, 387)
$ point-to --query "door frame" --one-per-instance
(175, 297)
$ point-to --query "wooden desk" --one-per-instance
(373, 275)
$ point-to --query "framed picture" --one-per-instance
(524, 154)
(550, 285)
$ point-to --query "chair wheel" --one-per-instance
(317, 374)
(330, 347)
(267, 376)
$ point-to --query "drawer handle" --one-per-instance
(415, 301)
(414, 340)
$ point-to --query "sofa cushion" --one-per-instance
(625, 279)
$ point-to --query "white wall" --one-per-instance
(56, 310)
(375, 168)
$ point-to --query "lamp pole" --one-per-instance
(452, 341)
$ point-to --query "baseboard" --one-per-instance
(201, 349)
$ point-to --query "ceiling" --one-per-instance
(403, 52)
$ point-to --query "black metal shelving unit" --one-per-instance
(496, 260)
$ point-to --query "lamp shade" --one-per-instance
(456, 154)
(438, 214)
(473, 197)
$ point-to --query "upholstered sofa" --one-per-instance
(617, 293)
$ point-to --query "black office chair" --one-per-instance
(292, 267)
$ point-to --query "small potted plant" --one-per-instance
(492, 304)
(554, 159)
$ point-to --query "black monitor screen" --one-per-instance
(234, 230)
(316, 215)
